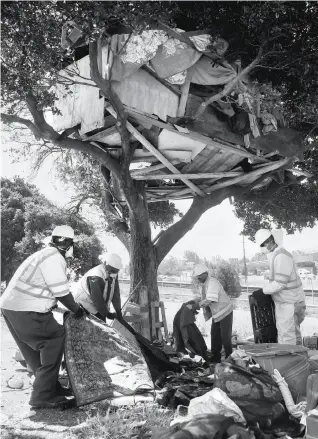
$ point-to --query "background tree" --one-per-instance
(267, 36)
(27, 217)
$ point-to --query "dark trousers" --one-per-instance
(41, 341)
(221, 334)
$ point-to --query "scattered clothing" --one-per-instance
(207, 72)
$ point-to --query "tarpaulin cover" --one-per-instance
(100, 361)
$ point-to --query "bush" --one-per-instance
(228, 277)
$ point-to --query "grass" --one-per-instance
(138, 422)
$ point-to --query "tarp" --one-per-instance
(100, 361)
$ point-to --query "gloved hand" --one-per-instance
(111, 315)
(81, 312)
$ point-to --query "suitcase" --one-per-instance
(262, 310)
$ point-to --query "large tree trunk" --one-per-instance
(143, 269)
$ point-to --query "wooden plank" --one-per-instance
(201, 138)
(153, 168)
(163, 315)
(185, 92)
(171, 87)
(250, 175)
(188, 176)
(157, 154)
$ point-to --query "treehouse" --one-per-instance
(185, 143)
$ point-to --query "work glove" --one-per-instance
(81, 312)
(111, 315)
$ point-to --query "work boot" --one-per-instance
(49, 403)
(63, 391)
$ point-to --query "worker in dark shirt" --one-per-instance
(99, 288)
(188, 338)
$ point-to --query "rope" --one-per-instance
(295, 410)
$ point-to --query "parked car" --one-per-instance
(303, 273)
(266, 274)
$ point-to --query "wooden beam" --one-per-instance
(253, 174)
(200, 138)
(185, 92)
(157, 153)
(169, 86)
(188, 176)
(148, 169)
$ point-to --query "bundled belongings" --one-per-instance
(252, 389)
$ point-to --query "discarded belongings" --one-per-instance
(180, 389)
(251, 388)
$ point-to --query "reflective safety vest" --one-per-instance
(283, 270)
(221, 304)
(36, 284)
(81, 291)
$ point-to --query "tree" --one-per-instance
(191, 256)
(27, 217)
(228, 277)
(31, 60)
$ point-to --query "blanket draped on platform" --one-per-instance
(100, 360)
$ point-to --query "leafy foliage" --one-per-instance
(27, 217)
(228, 277)
(292, 207)
(82, 174)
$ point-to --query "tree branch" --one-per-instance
(8, 119)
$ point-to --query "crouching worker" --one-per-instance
(216, 304)
(186, 334)
(99, 288)
(27, 305)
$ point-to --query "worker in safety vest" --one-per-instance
(285, 286)
(99, 288)
(27, 305)
(216, 304)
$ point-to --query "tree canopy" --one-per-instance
(27, 217)
(276, 43)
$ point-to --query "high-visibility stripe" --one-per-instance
(283, 275)
(28, 293)
(57, 284)
(223, 313)
(39, 263)
(58, 294)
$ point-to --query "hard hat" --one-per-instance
(199, 269)
(63, 231)
(261, 236)
(278, 235)
(114, 260)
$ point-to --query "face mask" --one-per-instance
(265, 250)
(69, 252)
(113, 275)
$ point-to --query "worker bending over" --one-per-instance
(187, 336)
(27, 305)
(285, 286)
(216, 304)
(99, 288)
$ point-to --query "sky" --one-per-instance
(216, 233)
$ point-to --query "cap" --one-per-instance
(63, 231)
(199, 269)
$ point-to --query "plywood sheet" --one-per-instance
(143, 92)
